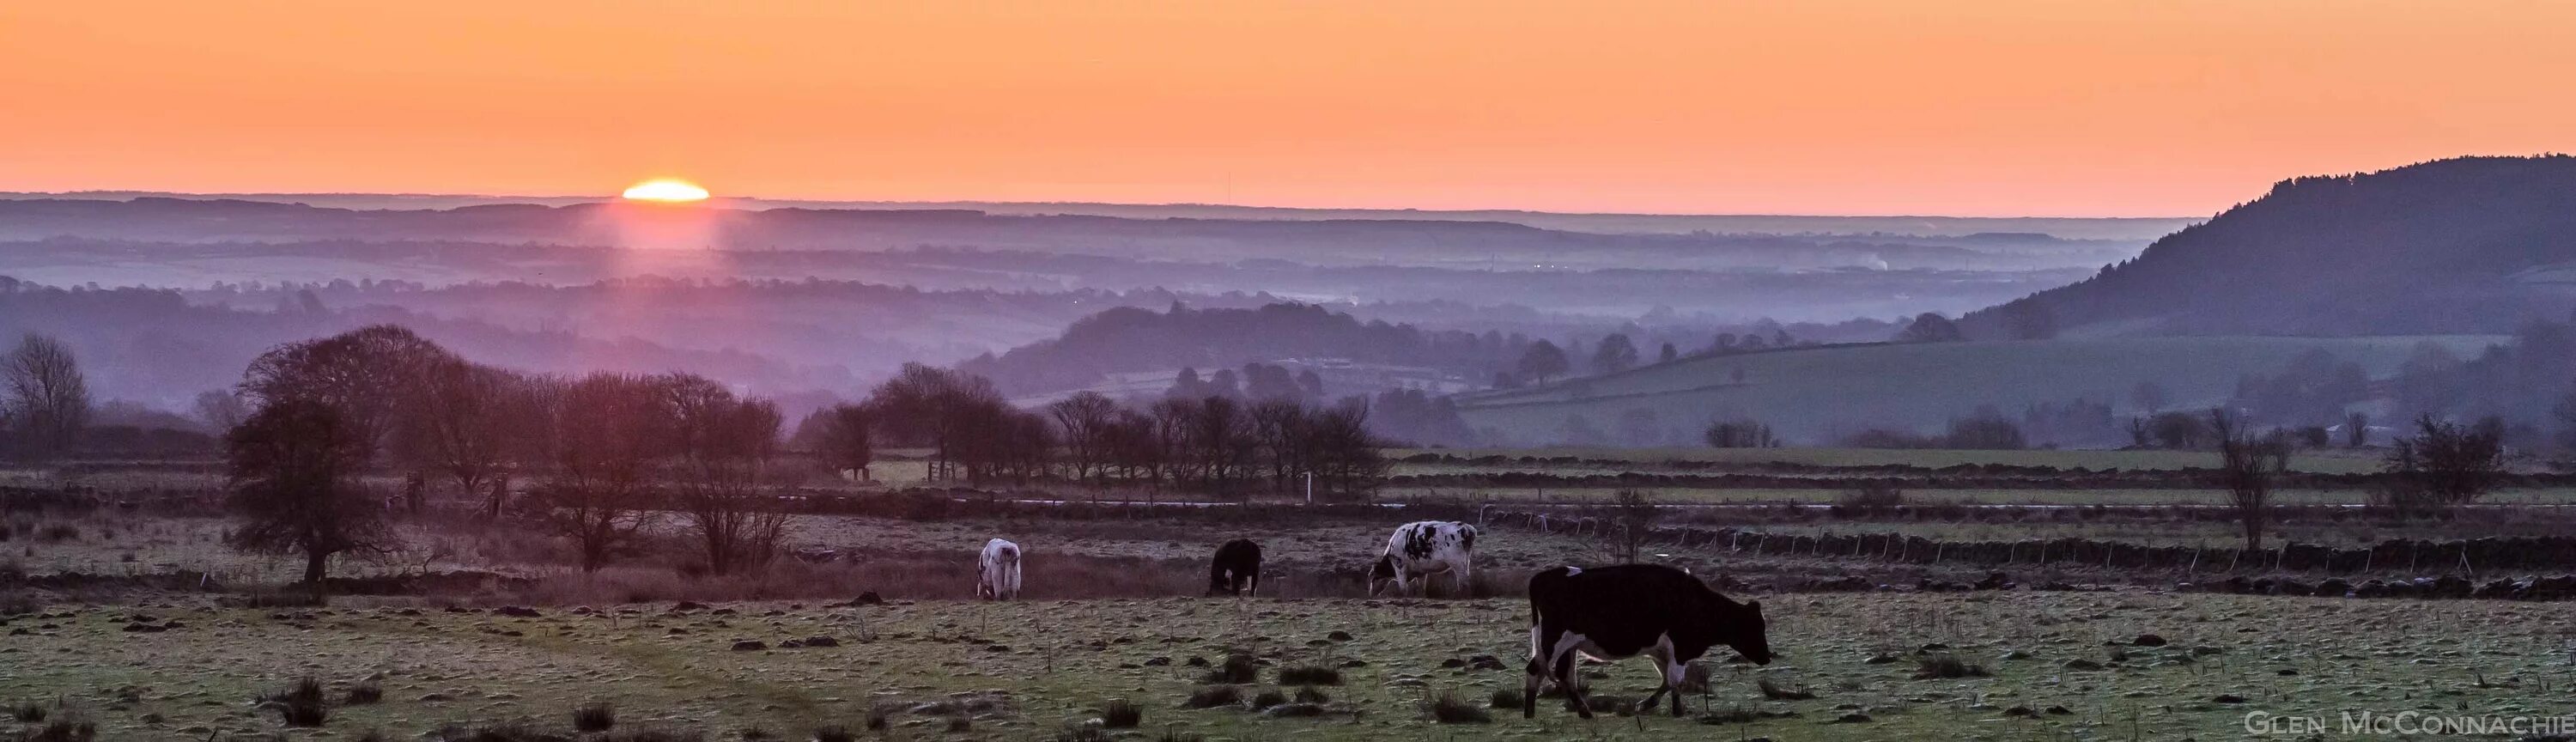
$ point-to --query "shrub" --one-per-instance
(1238, 669)
(1873, 496)
(1212, 696)
(300, 705)
(1448, 708)
(596, 717)
(1121, 714)
(1310, 675)
(364, 693)
(1937, 666)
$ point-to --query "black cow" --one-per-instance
(1619, 612)
(1236, 569)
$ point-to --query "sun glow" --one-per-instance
(667, 190)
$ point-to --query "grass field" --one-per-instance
(2325, 461)
(1811, 394)
(1025, 670)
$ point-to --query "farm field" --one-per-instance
(1809, 394)
(2325, 461)
(1025, 670)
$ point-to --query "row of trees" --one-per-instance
(608, 452)
(1217, 444)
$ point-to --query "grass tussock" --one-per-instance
(834, 734)
(1267, 698)
(1310, 675)
(300, 705)
(1082, 733)
(27, 713)
(1947, 666)
(364, 693)
(1121, 714)
(1505, 698)
(1238, 669)
(598, 716)
(1213, 696)
(62, 730)
(1448, 708)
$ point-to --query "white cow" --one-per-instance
(997, 573)
(1421, 549)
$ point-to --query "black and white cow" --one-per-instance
(997, 571)
(1419, 549)
(1612, 613)
(1236, 569)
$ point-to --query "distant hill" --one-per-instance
(1817, 395)
(1127, 340)
(2468, 245)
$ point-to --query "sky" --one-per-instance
(1995, 107)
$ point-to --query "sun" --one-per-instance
(666, 190)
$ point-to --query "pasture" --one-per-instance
(2058, 665)
(1811, 394)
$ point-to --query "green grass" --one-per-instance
(1809, 394)
(1062, 657)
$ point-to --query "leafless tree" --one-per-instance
(725, 447)
(221, 409)
(294, 467)
(363, 374)
(47, 402)
(603, 436)
(2445, 464)
(461, 420)
(2248, 464)
(1084, 419)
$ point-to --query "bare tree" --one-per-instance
(725, 446)
(1635, 512)
(461, 420)
(1085, 418)
(843, 435)
(47, 402)
(294, 467)
(2248, 464)
(221, 409)
(2356, 430)
(363, 374)
(603, 436)
(2445, 464)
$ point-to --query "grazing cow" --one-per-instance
(1236, 569)
(997, 574)
(1421, 548)
(1612, 613)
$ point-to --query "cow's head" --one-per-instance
(1381, 574)
(1222, 583)
(1747, 632)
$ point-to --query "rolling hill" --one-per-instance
(1811, 395)
(2467, 245)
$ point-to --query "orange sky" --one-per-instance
(2057, 107)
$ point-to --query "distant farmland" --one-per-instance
(1811, 394)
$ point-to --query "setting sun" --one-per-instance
(672, 190)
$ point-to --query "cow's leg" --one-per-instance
(1534, 673)
(1674, 671)
(1565, 678)
(1462, 576)
(1253, 583)
(1664, 684)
